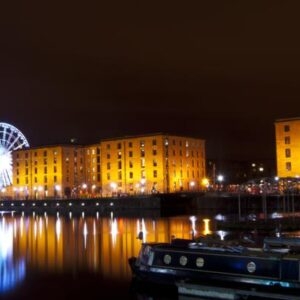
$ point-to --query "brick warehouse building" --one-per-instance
(156, 163)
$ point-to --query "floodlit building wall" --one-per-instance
(288, 147)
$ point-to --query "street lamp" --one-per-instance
(220, 178)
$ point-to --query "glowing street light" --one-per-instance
(205, 182)
(192, 183)
(113, 185)
(58, 188)
(220, 178)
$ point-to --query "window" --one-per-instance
(120, 175)
(108, 146)
(108, 156)
(119, 165)
(45, 161)
(287, 152)
(174, 142)
(288, 166)
(119, 155)
(154, 163)
(35, 170)
(45, 153)
(35, 154)
(26, 171)
(130, 154)
(130, 175)
(108, 166)
(55, 178)
(286, 128)
(154, 143)
(55, 169)
(142, 143)
(287, 140)
(155, 173)
(130, 144)
(98, 151)
(154, 151)
(26, 180)
(143, 163)
(18, 181)
(45, 179)
(35, 180)
(130, 164)
(108, 176)
(119, 146)
(142, 153)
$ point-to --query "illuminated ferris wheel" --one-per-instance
(11, 139)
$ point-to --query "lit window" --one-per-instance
(287, 140)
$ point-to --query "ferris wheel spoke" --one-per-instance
(13, 143)
(8, 176)
(10, 136)
(20, 146)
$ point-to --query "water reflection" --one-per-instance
(11, 271)
(102, 245)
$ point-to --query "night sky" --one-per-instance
(221, 70)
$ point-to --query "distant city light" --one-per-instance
(261, 169)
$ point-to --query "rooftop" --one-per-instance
(287, 119)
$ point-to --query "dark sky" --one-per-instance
(222, 70)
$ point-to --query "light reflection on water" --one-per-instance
(103, 245)
(12, 271)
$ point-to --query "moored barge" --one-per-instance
(275, 266)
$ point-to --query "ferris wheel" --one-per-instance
(11, 139)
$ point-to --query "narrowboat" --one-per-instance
(274, 264)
